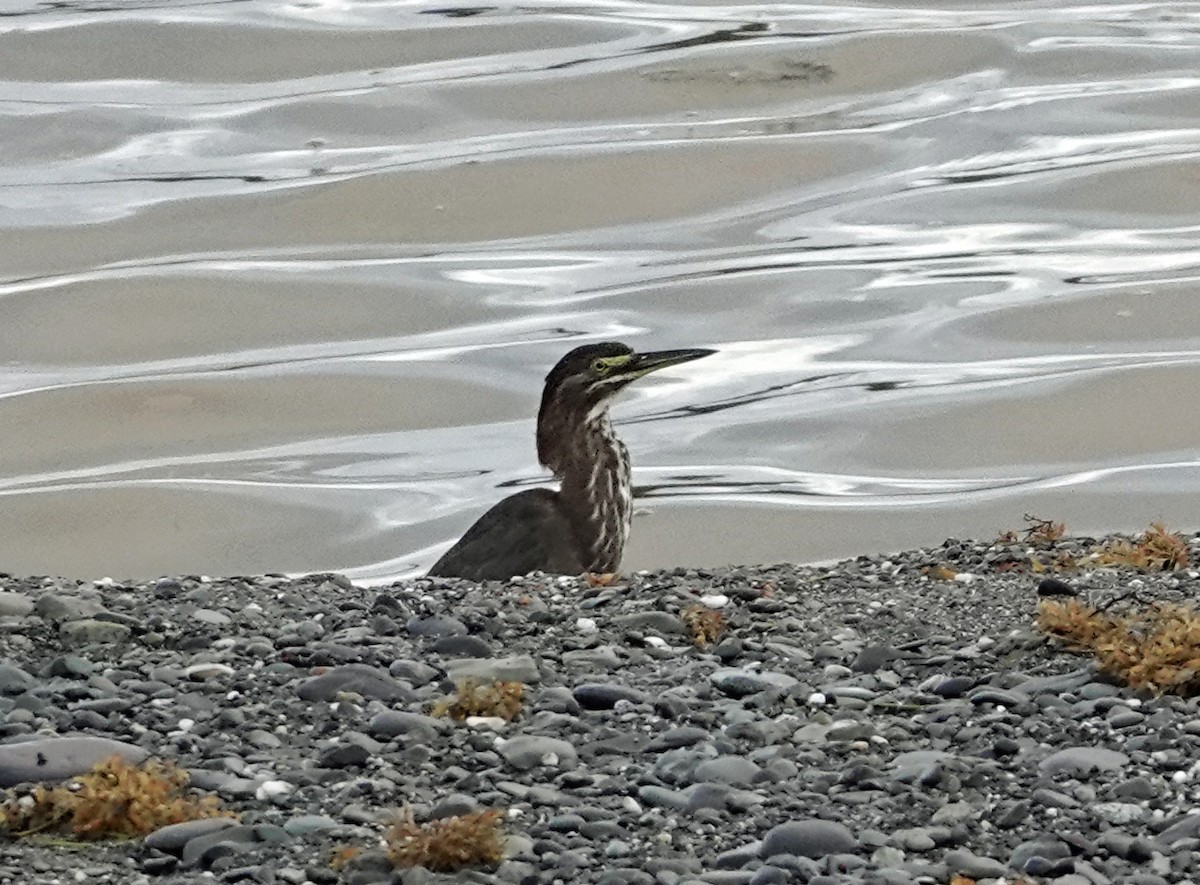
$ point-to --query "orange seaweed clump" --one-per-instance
(341, 855)
(501, 699)
(448, 844)
(1156, 648)
(705, 624)
(1154, 550)
(113, 800)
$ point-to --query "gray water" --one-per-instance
(279, 283)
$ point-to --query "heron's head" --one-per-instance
(582, 385)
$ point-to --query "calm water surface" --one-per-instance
(279, 283)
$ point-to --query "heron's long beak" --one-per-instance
(644, 363)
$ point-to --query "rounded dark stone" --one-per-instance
(438, 625)
(343, 756)
(808, 838)
(55, 759)
(370, 682)
(462, 647)
(605, 695)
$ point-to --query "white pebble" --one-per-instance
(586, 625)
(550, 760)
(273, 790)
(656, 641)
(817, 699)
(186, 725)
(965, 578)
(716, 600)
(495, 723)
(1179, 777)
(631, 805)
(207, 671)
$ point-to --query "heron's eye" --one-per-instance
(599, 366)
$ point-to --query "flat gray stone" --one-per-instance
(738, 858)
(210, 618)
(56, 759)
(1082, 760)
(742, 683)
(58, 608)
(662, 797)
(602, 657)
(808, 838)
(960, 860)
(437, 625)
(200, 850)
(916, 765)
(605, 695)
(652, 621)
(172, 838)
(14, 605)
(360, 679)
(733, 770)
(89, 631)
(307, 824)
(682, 736)
(514, 668)
(1058, 684)
(1185, 828)
(14, 680)
(720, 797)
(461, 647)
(954, 813)
(389, 724)
(844, 730)
(1048, 848)
(416, 672)
(526, 752)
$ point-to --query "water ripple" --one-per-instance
(291, 275)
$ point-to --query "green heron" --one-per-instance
(583, 526)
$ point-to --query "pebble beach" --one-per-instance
(889, 720)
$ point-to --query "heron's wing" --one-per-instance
(523, 533)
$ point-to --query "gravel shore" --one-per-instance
(890, 719)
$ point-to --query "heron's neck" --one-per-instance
(597, 491)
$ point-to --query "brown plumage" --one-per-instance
(583, 526)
